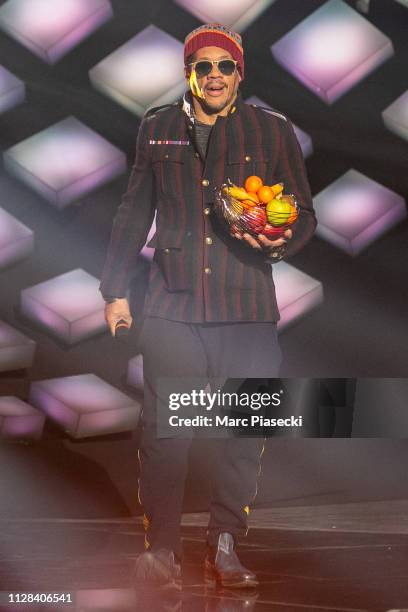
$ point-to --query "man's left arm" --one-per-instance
(291, 171)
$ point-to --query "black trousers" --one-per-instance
(212, 352)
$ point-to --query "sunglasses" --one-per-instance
(204, 67)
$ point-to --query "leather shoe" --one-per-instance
(223, 567)
(159, 569)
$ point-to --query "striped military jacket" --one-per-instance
(199, 273)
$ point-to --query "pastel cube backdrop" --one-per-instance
(85, 405)
(395, 116)
(354, 211)
(297, 293)
(65, 161)
(51, 28)
(146, 71)
(68, 306)
(304, 139)
(19, 420)
(12, 90)
(16, 240)
(16, 349)
(237, 14)
(332, 50)
(135, 372)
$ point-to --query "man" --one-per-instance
(210, 308)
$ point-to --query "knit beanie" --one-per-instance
(215, 35)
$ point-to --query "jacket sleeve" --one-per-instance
(291, 171)
(131, 224)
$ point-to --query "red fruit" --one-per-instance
(254, 219)
(273, 233)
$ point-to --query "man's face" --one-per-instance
(219, 89)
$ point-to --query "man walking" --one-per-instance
(210, 309)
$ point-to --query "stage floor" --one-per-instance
(345, 557)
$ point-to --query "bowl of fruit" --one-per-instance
(255, 208)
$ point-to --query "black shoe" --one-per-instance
(223, 567)
(158, 569)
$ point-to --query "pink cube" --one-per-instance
(51, 28)
(68, 306)
(16, 240)
(85, 405)
(19, 420)
(16, 349)
(65, 162)
(297, 293)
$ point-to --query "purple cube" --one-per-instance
(65, 161)
(16, 240)
(395, 116)
(135, 372)
(237, 14)
(332, 50)
(296, 292)
(157, 60)
(354, 211)
(51, 28)
(68, 306)
(19, 420)
(304, 139)
(12, 90)
(85, 405)
(16, 349)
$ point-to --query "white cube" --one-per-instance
(65, 161)
(12, 90)
(16, 240)
(16, 349)
(68, 306)
(332, 50)
(146, 71)
(395, 116)
(51, 28)
(236, 14)
(20, 420)
(297, 293)
(85, 405)
(354, 211)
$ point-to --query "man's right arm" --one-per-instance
(132, 222)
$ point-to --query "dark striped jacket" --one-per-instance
(199, 273)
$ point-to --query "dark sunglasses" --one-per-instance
(204, 67)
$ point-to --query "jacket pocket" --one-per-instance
(171, 259)
(252, 160)
(168, 164)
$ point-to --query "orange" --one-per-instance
(265, 194)
(253, 183)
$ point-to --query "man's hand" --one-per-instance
(117, 310)
(263, 243)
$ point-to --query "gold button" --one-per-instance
(275, 254)
(205, 182)
(167, 250)
(208, 240)
(247, 158)
(166, 156)
(207, 270)
(207, 211)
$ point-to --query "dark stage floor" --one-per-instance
(339, 566)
